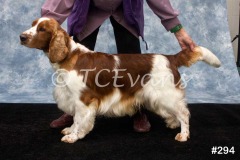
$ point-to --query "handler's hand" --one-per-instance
(184, 40)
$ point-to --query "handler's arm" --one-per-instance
(163, 9)
(168, 16)
(57, 9)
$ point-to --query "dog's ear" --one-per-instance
(58, 49)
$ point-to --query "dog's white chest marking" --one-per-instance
(68, 89)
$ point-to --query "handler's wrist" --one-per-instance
(176, 28)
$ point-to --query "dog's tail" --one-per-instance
(187, 57)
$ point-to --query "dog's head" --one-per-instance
(46, 34)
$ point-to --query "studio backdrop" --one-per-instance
(26, 75)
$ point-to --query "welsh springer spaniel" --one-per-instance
(113, 84)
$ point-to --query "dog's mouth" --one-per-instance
(23, 43)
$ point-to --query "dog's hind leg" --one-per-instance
(182, 113)
(175, 114)
(83, 123)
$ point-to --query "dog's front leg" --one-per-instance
(83, 123)
(68, 130)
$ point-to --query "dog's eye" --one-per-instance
(42, 29)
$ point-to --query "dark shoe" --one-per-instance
(62, 121)
(141, 123)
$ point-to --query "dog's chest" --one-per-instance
(67, 91)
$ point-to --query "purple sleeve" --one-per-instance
(57, 9)
(163, 9)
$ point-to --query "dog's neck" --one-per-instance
(74, 46)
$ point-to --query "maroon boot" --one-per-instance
(63, 121)
(141, 123)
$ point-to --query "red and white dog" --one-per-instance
(113, 84)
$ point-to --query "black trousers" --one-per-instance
(126, 42)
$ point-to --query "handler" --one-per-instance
(127, 18)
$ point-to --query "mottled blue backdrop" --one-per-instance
(25, 74)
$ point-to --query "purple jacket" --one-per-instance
(133, 12)
(77, 11)
(78, 17)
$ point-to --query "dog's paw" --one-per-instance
(182, 137)
(66, 131)
(71, 138)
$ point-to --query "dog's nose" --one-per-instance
(23, 37)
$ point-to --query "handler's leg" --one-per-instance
(128, 43)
